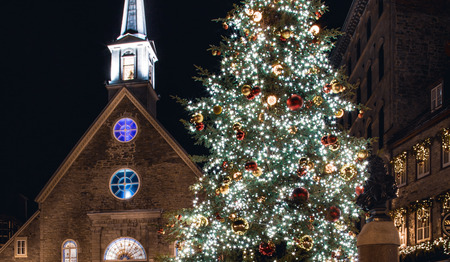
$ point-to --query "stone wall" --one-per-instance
(32, 234)
(164, 179)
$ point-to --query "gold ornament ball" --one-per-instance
(200, 221)
(339, 113)
(197, 118)
(225, 189)
(240, 226)
(286, 34)
(237, 176)
(348, 172)
(237, 127)
(363, 154)
(232, 216)
(305, 242)
(226, 180)
(335, 146)
(217, 110)
(246, 90)
(318, 100)
(337, 88)
(257, 172)
(277, 69)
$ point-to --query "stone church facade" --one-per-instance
(107, 199)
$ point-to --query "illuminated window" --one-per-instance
(124, 183)
(400, 168)
(445, 157)
(423, 166)
(20, 247)
(125, 248)
(436, 97)
(69, 251)
(423, 224)
(125, 130)
(400, 224)
(422, 153)
(128, 67)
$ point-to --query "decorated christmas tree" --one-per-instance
(282, 176)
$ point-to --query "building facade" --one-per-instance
(107, 199)
(397, 54)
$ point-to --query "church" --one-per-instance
(106, 200)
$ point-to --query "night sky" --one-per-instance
(55, 62)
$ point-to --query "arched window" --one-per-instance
(69, 251)
(125, 248)
(128, 68)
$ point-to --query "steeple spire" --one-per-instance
(133, 57)
(133, 21)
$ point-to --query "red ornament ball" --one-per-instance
(267, 249)
(332, 139)
(359, 190)
(300, 195)
(200, 126)
(256, 90)
(333, 214)
(295, 102)
(324, 140)
(251, 166)
(240, 135)
(250, 96)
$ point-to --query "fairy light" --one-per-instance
(276, 138)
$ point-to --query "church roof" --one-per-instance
(98, 123)
(21, 229)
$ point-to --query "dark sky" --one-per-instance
(55, 62)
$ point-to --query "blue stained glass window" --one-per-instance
(124, 183)
(125, 129)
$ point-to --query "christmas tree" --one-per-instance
(282, 176)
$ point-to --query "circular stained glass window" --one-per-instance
(124, 183)
(125, 130)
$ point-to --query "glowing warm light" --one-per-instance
(277, 69)
(315, 29)
(257, 16)
(272, 100)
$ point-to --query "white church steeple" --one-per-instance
(133, 20)
(133, 57)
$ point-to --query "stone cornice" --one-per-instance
(126, 214)
(351, 22)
